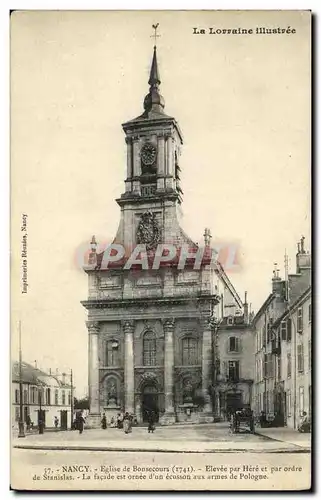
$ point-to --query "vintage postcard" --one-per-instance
(161, 250)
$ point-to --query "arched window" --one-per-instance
(112, 353)
(63, 397)
(149, 349)
(56, 396)
(189, 351)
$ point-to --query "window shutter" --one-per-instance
(300, 320)
(238, 344)
(225, 369)
(265, 365)
(300, 358)
(268, 333)
(283, 330)
(237, 370)
(289, 330)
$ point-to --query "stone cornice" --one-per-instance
(136, 199)
(145, 302)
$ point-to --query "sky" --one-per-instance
(243, 104)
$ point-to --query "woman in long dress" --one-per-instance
(104, 422)
(151, 422)
(126, 423)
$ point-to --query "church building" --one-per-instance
(152, 328)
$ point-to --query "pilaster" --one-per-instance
(206, 368)
(169, 416)
(128, 182)
(128, 328)
(136, 166)
(161, 163)
(93, 374)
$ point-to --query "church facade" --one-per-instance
(152, 327)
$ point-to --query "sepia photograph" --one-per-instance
(161, 306)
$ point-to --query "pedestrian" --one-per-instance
(119, 421)
(112, 422)
(104, 422)
(151, 422)
(304, 424)
(41, 426)
(126, 423)
(56, 422)
(28, 423)
(263, 421)
(81, 423)
(131, 418)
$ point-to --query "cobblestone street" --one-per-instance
(178, 438)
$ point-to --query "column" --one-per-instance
(136, 166)
(129, 366)
(169, 416)
(206, 365)
(93, 374)
(161, 163)
(128, 183)
(169, 163)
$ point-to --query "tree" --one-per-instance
(81, 404)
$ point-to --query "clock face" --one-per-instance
(148, 154)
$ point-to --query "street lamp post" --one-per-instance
(40, 420)
(215, 323)
(72, 401)
(21, 422)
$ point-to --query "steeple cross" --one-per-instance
(155, 36)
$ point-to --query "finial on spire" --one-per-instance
(93, 244)
(302, 244)
(276, 271)
(207, 236)
(154, 102)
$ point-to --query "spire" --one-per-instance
(154, 79)
(154, 102)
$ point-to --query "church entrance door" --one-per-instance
(150, 402)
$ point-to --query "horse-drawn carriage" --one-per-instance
(242, 418)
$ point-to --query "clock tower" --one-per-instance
(154, 141)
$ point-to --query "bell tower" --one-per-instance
(152, 185)
(154, 143)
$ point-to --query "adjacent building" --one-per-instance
(151, 329)
(45, 396)
(235, 362)
(293, 383)
(282, 388)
